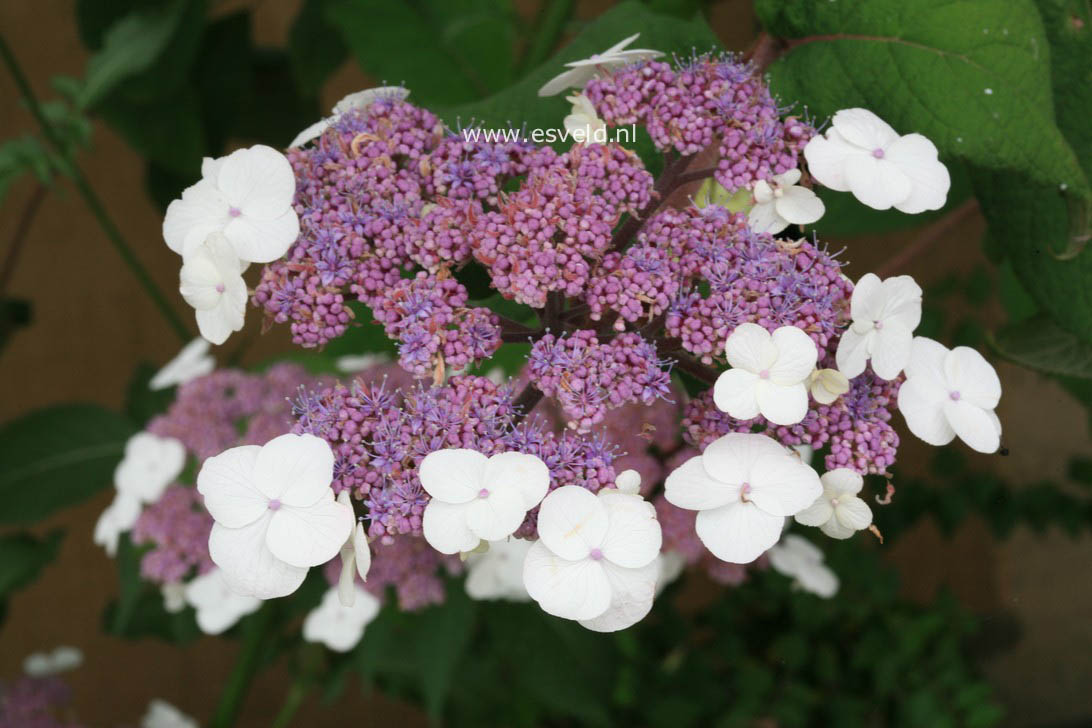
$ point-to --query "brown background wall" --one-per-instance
(92, 324)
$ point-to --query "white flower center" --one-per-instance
(877, 325)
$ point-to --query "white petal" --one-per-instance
(628, 481)
(201, 210)
(750, 347)
(633, 536)
(571, 522)
(218, 607)
(575, 78)
(150, 464)
(632, 593)
(782, 405)
(121, 515)
(891, 350)
(868, 298)
(259, 182)
(526, 473)
(788, 179)
(498, 515)
(361, 551)
(816, 514)
(854, 513)
(248, 565)
(828, 385)
(876, 182)
(445, 529)
(217, 324)
(263, 240)
(783, 485)
(842, 481)
(836, 529)
(498, 573)
(863, 128)
(296, 470)
(734, 393)
(971, 375)
(338, 626)
(927, 361)
(227, 483)
(827, 157)
(763, 193)
(738, 533)
(690, 486)
(363, 99)
(190, 363)
(764, 218)
(200, 282)
(310, 536)
(732, 457)
(922, 405)
(900, 301)
(974, 425)
(852, 354)
(312, 132)
(454, 475)
(916, 156)
(818, 579)
(569, 589)
(799, 205)
(796, 356)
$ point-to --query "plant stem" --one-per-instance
(255, 631)
(291, 705)
(83, 186)
(668, 181)
(20, 236)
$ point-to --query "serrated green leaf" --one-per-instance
(22, 558)
(1039, 343)
(130, 46)
(55, 458)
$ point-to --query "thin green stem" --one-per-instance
(83, 186)
(292, 702)
(256, 632)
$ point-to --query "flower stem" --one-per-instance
(291, 705)
(7, 270)
(83, 186)
(255, 631)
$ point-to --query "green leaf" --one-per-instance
(223, 76)
(20, 156)
(57, 457)
(973, 76)
(314, 47)
(131, 45)
(142, 403)
(15, 313)
(169, 134)
(22, 558)
(1039, 343)
(442, 634)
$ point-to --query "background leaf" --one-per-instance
(23, 556)
(57, 457)
(1039, 343)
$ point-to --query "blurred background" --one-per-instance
(89, 325)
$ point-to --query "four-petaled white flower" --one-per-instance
(769, 374)
(583, 122)
(337, 625)
(120, 516)
(838, 512)
(475, 498)
(61, 659)
(247, 196)
(210, 281)
(743, 486)
(498, 572)
(799, 559)
(358, 100)
(275, 513)
(192, 362)
(580, 72)
(949, 393)
(885, 314)
(218, 606)
(150, 464)
(356, 557)
(162, 714)
(595, 560)
(863, 155)
(827, 385)
(781, 202)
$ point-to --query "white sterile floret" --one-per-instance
(218, 606)
(338, 626)
(743, 486)
(120, 516)
(162, 714)
(580, 72)
(838, 512)
(351, 363)
(61, 659)
(628, 481)
(799, 559)
(359, 100)
(192, 362)
(862, 154)
(885, 314)
(583, 123)
(498, 572)
(210, 281)
(174, 596)
(781, 202)
(769, 374)
(827, 385)
(595, 560)
(247, 196)
(475, 498)
(275, 513)
(949, 393)
(150, 464)
(356, 557)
